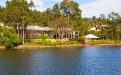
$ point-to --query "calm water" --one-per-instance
(90, 60)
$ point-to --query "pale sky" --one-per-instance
(89, 7)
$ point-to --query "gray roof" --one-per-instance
(32, 27)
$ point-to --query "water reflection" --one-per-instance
(90, 60)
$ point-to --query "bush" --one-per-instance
(37, 42)
(74, 39)
(52, 43)
(44, 37)
(8, 37)
(28, 42)
(92, 42)
(82, 39)
(59, 42)
(73, 42)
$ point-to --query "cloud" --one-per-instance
(44, 4)
(2, 3)
(100, 7)
(39, 4)
(89, 7)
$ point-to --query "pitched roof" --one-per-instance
(32, 27)
(91, 36)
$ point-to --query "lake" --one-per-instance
(90, 60)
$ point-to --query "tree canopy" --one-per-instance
(20, 13)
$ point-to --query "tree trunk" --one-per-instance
(17, 29)
(23, 31)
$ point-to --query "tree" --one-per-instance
(102, 22)
(8, 37)
(31, 4)
(84, 27)
(71, 9)
(56, 11)
(46, 17)
(16, 14)
(60, 26)
(1, 13)
(113, 22)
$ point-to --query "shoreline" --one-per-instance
(2, 47)
(47, 46)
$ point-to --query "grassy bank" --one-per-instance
(107, 42)
(64, 43)
(60, 43)
(71, 42)
(50, 43)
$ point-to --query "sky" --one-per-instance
(89, 7)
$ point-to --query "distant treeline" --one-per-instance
(67, 14)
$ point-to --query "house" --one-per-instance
(97, 27)
(34, 32)
(1, 24)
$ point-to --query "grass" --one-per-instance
(47, 42)
(93, 42)
(71, 42)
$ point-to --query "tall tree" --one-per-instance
(84, 27)
(71, 9)
(56, 11)
(102, 22)
(113, 18)
(60, 26)
(46, 17)
(16, 13)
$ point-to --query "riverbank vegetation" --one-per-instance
(67, 15)
(105, 42)
(8, 37)
(44, 40)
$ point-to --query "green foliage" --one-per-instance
(74, 42)
(28, 42)
(37, 42)
(82, 39)
(73, 39)
(62, 16)
(47, 42)
(44, 37)
(42, 41)
(60, 26)
(93, 42)
(8, 37)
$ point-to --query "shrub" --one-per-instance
(92, 42)
(82, 39)
(59, 42)
(73, 42)
(44, 37)
(52, 43)
(37, 42)
(74, 39)
(9, 38)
